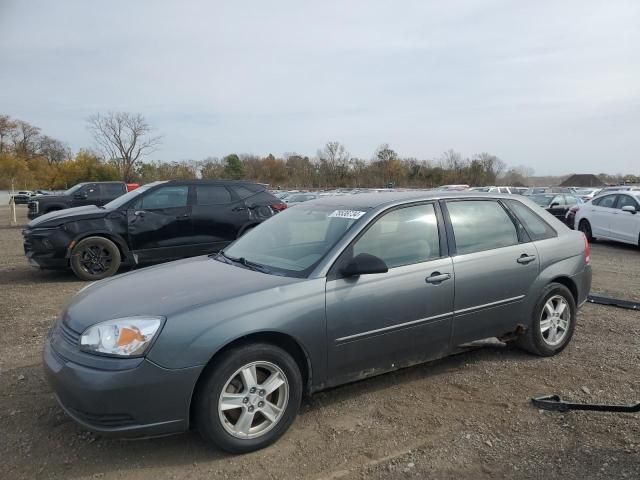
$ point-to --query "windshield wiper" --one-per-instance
(244, 262)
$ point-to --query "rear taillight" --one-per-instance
(278, 207)
(587, 253)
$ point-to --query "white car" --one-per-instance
(613, 216)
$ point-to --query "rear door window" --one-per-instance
(112, 190)
(481, 225)
(212, 195)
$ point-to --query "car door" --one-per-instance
(494, 263)
(376, 322)
(625, 226)
(600, 215)
(159, 224)
(218, 216)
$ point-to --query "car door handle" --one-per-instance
(239, 209)
(181, 218)
(437, 277)
(524, 259)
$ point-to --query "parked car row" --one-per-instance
(330, 291)
(157, 222)
(610, 216)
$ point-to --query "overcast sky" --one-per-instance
(554, 85)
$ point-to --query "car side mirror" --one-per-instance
(629, 208)
(80, 196)
(364, 264)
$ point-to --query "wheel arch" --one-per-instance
(569, 283)
(288, 343)
(115, 238)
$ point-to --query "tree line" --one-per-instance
(31, 159)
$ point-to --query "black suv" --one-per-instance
(88, 193)
(156, 222)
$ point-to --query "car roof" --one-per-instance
(380, 199)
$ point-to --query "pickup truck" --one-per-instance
(88, 193)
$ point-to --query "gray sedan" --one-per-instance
(334, 290)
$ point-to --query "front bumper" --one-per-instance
(145, 400)
(46, 247)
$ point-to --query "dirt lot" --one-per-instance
(465, 417)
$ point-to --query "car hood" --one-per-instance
(165, 290)
(60, 216)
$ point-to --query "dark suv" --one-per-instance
(157, 222)
(88, 193)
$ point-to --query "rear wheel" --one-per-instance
(552, 323)
(95, 258)
(249, 398)
(585, 227)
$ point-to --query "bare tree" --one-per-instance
(334, 159)
(25, 139)
(124, 138)
(7, 128)
(54, 150)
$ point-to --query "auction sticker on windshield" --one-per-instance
(352, 214)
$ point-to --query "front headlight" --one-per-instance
(121, 337)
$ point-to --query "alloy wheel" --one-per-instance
(95, 259)
(554, 320)
(253, 400)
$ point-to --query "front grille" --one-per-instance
(33, 207)
(107, 420)
(69, 334)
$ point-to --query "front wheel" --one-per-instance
(249, 398)
(95, 258)
(552, 323)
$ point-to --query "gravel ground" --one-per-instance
(465, 417)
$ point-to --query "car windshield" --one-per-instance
(74, 189)
(294, 241)
(585, 191)
(122, 199)
(542, 200)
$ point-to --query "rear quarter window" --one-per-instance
(244, 191)
(535, 226)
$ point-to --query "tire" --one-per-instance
(539, 341)
(221, 427)
(95, 258)
(585, 227)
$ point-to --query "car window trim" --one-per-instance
(233, 196)
(621, 196)
(132, 203)
(524, 227)
(451, 238)
(334, 274)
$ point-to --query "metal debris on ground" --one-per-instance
(555, 403)
(614, 302)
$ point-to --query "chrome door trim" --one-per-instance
(491, 304)
(426, 320)
(392, 327)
